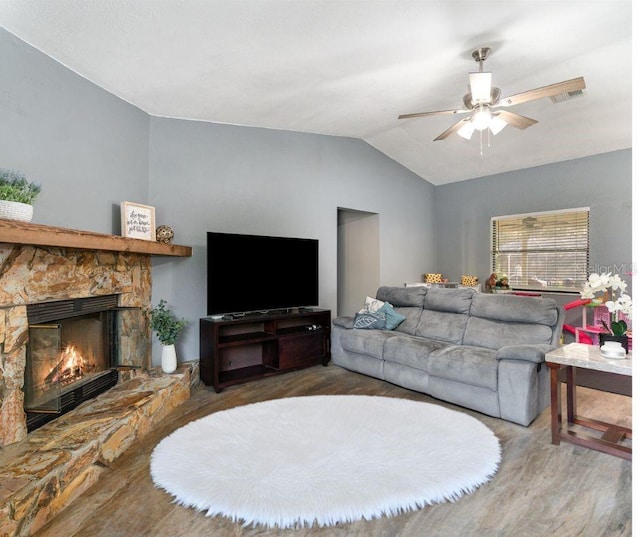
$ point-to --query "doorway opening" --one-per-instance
(358, 258)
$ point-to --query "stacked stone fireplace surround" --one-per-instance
(43, 471)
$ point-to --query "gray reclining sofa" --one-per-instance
(481, 351)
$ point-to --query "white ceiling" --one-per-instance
(350, 67)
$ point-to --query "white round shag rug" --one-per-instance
(324, 460)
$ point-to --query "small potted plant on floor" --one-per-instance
(17, 195)
(167, 327)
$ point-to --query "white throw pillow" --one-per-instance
(371, 305)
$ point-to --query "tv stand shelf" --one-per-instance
(233, 351)
(245, 339)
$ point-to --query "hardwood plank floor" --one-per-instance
(539, 490)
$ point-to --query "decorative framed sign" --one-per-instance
(138, 221)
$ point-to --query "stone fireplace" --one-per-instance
(41, 265)
(31, 276)
(56, 286)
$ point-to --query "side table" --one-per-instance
(579, 355)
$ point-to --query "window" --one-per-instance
(542, 250)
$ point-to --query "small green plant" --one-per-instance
(15, 187)
(165, 324)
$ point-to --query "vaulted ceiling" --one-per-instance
(350, 67)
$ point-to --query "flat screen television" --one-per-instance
(249, 273)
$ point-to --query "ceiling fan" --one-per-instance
(483, 103)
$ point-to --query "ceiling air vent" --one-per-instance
(562, 97)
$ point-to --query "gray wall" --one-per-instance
(86, 147)
(601, 182)
(91, 151)
(211, 177)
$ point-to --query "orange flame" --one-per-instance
(71, 360)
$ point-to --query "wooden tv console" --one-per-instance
(236, 350)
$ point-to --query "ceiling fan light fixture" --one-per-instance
(482, 101)
(481, 118)
(466, 131)
(496, 125)
(480, 85)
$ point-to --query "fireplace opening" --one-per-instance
(72, 355)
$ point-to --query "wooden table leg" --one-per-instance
(556, 403)
(582, 431)
(571, 394)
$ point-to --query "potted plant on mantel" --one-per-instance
(167, 327)
(17, 195)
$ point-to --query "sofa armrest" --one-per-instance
(529, 353)
(343, 322)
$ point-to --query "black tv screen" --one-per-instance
(248, 273)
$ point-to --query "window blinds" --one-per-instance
(542, 250)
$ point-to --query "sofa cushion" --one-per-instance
(466, 364)
(515, 309)
(369, 342)
(445, 314)
(449, 300)
(407, 301)
(442, 326)
(412, 318)
(496, 334)
(402, 296)
(411, 351)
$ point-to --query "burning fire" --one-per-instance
(70, 366)
(72, 360)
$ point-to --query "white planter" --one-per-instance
(14, 210)
(169, 359)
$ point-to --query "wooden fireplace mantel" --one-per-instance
(14, 232)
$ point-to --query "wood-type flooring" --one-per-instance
(539, 490)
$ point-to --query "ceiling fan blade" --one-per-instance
(575, 84)
(454, 128)
(436, 113)
(516, 120)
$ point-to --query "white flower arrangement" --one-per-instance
(612, 294)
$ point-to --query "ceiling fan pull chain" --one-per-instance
(481, 153)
